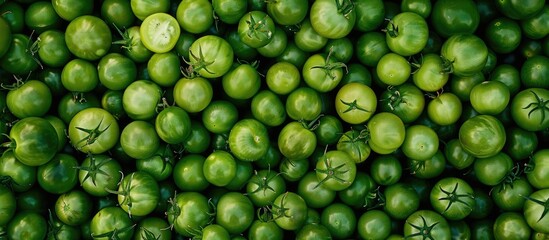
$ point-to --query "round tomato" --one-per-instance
(407, 33)
(74, 207)
(189, 211)
(139, 139)
(159, 32)
(386, 131)
(335, 170)
(267, 107)
(249, 140)
(112, 222)
(79, 75)
(296, 141)
(93, 130)
(15, 174)
(88, 37)
(164, 68)
(188, 173)
(195, 16)
(7, 211)
(445, 109)
(288, 12)
(33, 141)
(528, 109)
(289, 211)
(374, 224)
(537, 169)
(406, 101)
(27, 225)
(173, 125)
(332, 19)
(97, 173)
(340, 220)
(449, 17)
(138, 193)
(426, 224)
(307, 39)
(432, 73)
(211, 56)
(230, 11)
(511, 225)
(241, 82)
(256, 28)
(141, 98)
(30, 99)
(59, 175)
(534, 210)
(467, 53)
(482, 136)
(264, 186)
(219, 168)
(453, 198)
(304, 104)
(355, 103)
(386, 170)
(322, 72)
(234, 212)
(18, 59)
(393, 69)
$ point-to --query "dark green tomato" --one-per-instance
(534, 70)
(99, 173)
(112, 102)
(117, 13)
(503, 28)
(425, 224)
(527, 49)
(283, 77)
(434, 43)
(20, 177)
(160, 165)
(249, 140)
(235, 212)
(432, 73)
(112, 221)
(467, 52)
(293, 54)
(482, 136)
(288, 12)
(188, 173)
(296, 142)
(33, 141)
(173, 125)
(311, 231)
(332, 19)
(520, 9)
(401, 200)
(407, 33)
(484, 205)
(487, 10)
(357, 72)
(357, 195)
(41, 16)
(528, 109)
(374, 224)
(195, 16)
(132, 46)
(489, 97)
(276, 46)
(511, 225)
(520, 143)
(329, 130)
(509, 196)
(335, 170)
(370, 14)
(370, 47)
(138, 193)
(71, 9)
(240, 49)
(14, 15)
(18, 59)
(228, 11)
(31, 99)
(256, 29)
(59, 175)
(508, 75)
(406, 101)
(428, 168)
(7, 211)
(154, 227)
(386, 169)
(52, 49)
(293, 170)
(307, 39)
(141, 98)
(461, 85)
(74, 207)
(533, 26)
(199, 139)
(267, 107)
(449, 17)
(69, 105)
(244, 171)
(268, 230)
(264, 186)
(339, 219)
(493, 170)
(5, 40)
(341, 48)
(193, 95)
(482, 229)
(88, 37)
(456, 155)
(116, 71)
(241, 82)
(79, 76)
(27, 225)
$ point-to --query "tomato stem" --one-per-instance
(540, 104)
(345, 7)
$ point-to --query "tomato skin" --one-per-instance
(98, 173)
(79, 75)
(195, 16)
(449, 17)
(211, 56)
(426, 224)
(22, 176)
(407, 33)
(296, 142)
(526, 110)
(282, 77)
(431, 74)
(537, 175)
(228, 11)
(370, 47)
(519, 10)
(336, 170)
(241, 82)
(393, 69)
(27, 225)
(97, 37)
(267, 107)
(290, 211)
(5, 40)
(32, 99)
(256, 28)
(93, 130)
(534, 70)
(235, 212)
(139, 139)
(288, 12)
(355, 103)
(118, 13)
(490, 97)
(110, 219)
(59, 175)
(322, 72)
(249, 140)
(8, 205)
(532, 27)
(509, 196)
(387, 132)
(70, 9)
(453, 198)
(138, 193)
(482, 136)
(332, 19)
(17, 60)
(467, 52)
(53, 50)
(533, 210)
(34, 141)
(307, 39)
(74, 207)
(369, 15)
(173, 125)
(386, 170)
(503, 28)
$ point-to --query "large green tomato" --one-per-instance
(482, 136)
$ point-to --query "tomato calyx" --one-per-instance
(454, 197)
(345, 7)
(331, 172)
(424, 229)
(514, 175)
(257, 27)
(447, 65)
(262, 182)
(545, 205)
(394, 98)
(126, 42)
(7, 181)
(93, 169)
(199, 64)
(93, 134)
(279, 211)
(353, 106)
(312, 125)
(540, 105)
(331, 65)
(391, 29)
